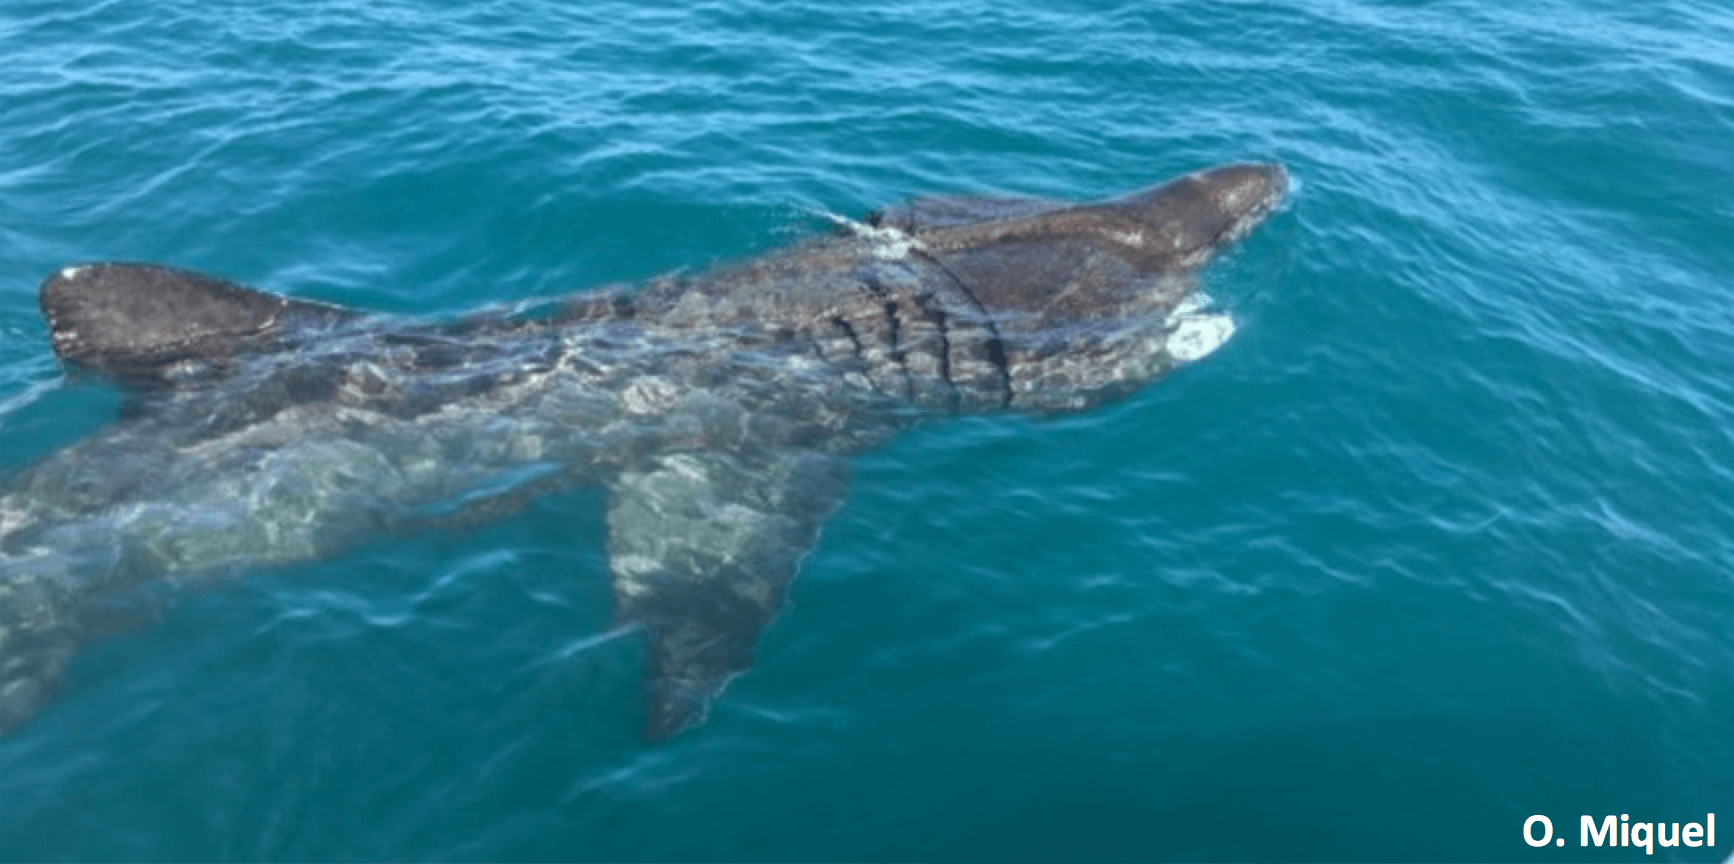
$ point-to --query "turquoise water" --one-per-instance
(1442, 540)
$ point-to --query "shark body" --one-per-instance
(719, 410)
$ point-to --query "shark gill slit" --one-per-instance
(995, 345)
(818, 350)
(893, 326)
(924, 302)
(860, 352)
(897, 352)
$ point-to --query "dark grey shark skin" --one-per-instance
(718, 409)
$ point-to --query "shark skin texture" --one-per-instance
(718, 410)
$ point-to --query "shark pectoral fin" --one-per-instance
(927, 214)
(134, 321)
(703, 548)
(39, 633)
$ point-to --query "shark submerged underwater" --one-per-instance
(719, 410)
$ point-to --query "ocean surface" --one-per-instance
(1442, 540)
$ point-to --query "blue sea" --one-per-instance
(1442, 540)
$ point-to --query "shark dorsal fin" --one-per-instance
(134, 321)
(931, 213)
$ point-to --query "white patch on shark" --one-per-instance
(891, 244)
(1196, 333)
(70, 273)
(888, 243)
(1198, 336)
(1191, 304)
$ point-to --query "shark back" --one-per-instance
(932, 213)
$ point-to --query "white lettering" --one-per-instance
(1647, 835)
(1663, 838)
(1547, 830)
(1588, 827)
(1644, 829)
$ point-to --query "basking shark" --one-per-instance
(718, 410)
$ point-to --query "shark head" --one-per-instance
(1190, 218)
(1091, 301)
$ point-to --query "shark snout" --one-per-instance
(1192, 217)
(1242, 195)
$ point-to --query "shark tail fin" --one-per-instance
(134, 321)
